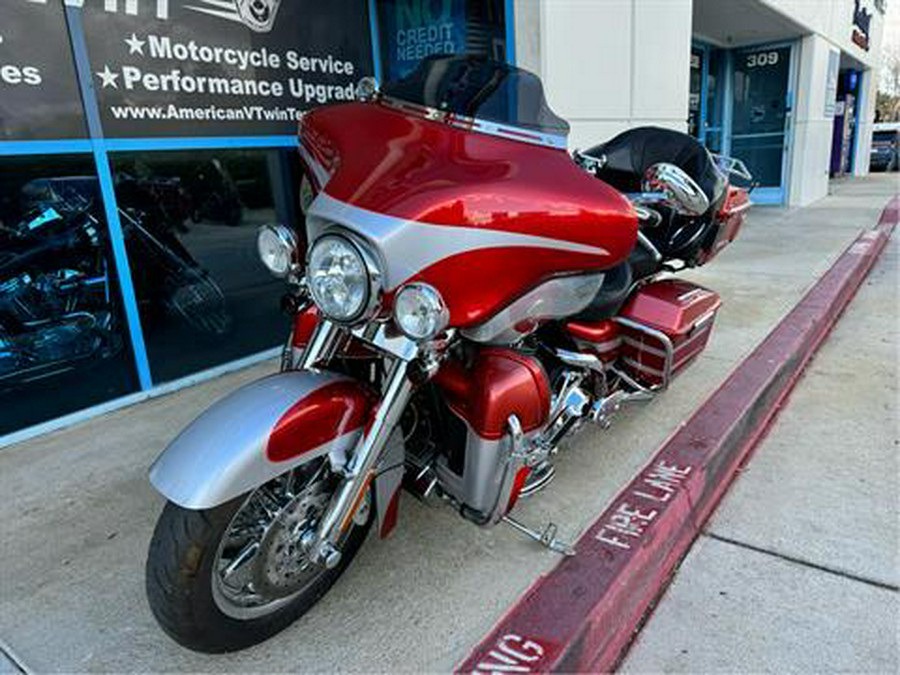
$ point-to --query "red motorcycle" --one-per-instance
(471, 296)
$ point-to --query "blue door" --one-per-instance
(761, 117)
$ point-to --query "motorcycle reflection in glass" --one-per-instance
(59, 304)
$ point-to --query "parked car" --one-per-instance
(885, 147)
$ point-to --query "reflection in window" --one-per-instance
(190, 223)
(63, 343)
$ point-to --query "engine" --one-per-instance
(43, 325)
(26, 298)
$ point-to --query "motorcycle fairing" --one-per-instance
(259, 432)
(438, 204)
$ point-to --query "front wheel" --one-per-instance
(229, 577)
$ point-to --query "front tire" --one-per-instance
(184, 570)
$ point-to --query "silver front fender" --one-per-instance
(228, 450)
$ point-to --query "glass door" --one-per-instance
(761, 117)
(705, 108)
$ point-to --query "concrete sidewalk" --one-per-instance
(78, 510)
(798, 570)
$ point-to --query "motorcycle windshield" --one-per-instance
(482, 89)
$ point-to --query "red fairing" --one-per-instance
(491, 217)
(500, 383)
(324, 415)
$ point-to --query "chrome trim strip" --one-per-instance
(491, 128)
(663, 339)
(643, 367)
(603, 347)
(659, 352)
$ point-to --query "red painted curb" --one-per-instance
(582, 615)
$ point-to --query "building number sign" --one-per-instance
(761, 59)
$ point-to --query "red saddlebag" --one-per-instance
(678, 311)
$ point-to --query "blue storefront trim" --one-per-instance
(61, 147)
(509, 18)
(376, 41)
(198, 143)
(108, 192)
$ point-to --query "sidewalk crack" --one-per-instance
(805, 563)
(7, 654)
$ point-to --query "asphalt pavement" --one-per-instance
(78, 510)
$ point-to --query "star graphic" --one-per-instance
(135, 45)
(108, 77)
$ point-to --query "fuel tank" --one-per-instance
(482, 218)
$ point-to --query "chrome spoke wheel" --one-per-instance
(260, 565)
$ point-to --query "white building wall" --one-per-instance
(831, 25)
(811, 156)
(868, 91)
(832, 20)
(609, 65)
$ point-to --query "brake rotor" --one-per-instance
(284, 565)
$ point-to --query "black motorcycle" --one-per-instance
(58, 301)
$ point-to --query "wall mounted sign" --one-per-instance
(862, 20)
(39, 97)
(222, 67)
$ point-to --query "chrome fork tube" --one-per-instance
(322, 345)
(358, 472)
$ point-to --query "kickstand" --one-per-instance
(547, 538)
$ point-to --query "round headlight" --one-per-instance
(277, 247)
(339, 278)
(420, 312)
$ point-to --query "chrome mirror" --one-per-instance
(680, 190)
(366, 89)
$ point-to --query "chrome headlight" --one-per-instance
(343, 280)
(277, 248)
(420, 312)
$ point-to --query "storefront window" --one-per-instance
(705, 103)
(715, 97)
(63, 339)
(695, 121)
(412, 30)
(190, 222)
